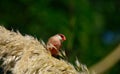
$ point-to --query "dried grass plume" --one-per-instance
(26, 55)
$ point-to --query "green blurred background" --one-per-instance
(91, 26)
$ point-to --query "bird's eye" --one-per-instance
(61, 36)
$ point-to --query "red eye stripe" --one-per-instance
(62, 36)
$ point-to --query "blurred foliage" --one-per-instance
(91, 26)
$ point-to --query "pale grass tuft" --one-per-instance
(26, 55)
(81, 67)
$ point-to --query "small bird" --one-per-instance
(54, 43)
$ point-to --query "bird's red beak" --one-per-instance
(64, 38)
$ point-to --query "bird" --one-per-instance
(54, 44)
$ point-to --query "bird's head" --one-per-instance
(62, 37)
